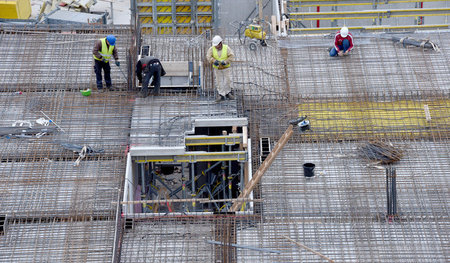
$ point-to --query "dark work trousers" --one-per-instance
(154, 70)
(99, 65)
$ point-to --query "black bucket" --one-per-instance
(308, 169)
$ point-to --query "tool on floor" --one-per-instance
(123, 73)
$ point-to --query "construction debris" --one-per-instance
(423, 43)
(85, 150)
(382, 152)
(25, 132)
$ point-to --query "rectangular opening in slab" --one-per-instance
(2, 224)
(265, 148)
(206, 178)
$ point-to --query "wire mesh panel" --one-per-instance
(100, 121)
(60, 189)
(36, 60)
(57, 241)
(164, 120)
(383, 95)
(375, 64)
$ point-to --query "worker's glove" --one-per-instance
(118, 63)
(104, 60)
(346, 53)
(340, 53)
(216, 63)
(223, 63)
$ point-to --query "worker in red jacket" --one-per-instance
(343, 43)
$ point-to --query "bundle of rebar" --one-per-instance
(382, 152)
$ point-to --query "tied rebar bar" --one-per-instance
(391, 192)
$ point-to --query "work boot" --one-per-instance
(220, 98)
(144, 93)
(230, 96)
(329, 49)
(102, 90)
(110, 88)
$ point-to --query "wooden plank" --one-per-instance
(263, 168)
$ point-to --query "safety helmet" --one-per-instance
(86, 92)
(111, 40)
(216, 40)
(344, 31)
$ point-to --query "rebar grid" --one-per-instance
(341, 210)
(44, 59)
(46, 188)
(101, 121)
(65, 213)
(57, 241)
(375, 64)
(164, 120)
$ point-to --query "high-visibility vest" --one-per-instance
(222, 57)
(105, 52)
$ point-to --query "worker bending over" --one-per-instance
(220, 56)
(343, 43)
(103, 50)
(151, 67)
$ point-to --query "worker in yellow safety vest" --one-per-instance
(220, 56)
(103, 50)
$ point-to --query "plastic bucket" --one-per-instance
(308, 169)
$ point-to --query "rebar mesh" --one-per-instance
(56, 211)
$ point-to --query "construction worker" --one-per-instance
(220, 56)
(103, 50)
(151, 67)
(343, 43)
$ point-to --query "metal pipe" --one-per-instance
(388, 202)
(242, 246)
(183, 187)
(142, 165)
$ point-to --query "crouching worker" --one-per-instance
(151, 67)
(343, 43)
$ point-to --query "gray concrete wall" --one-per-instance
(230, 11)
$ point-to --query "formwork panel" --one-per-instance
(402, 117)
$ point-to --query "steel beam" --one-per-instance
(231, 139)
(192, 157)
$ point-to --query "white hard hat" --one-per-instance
(216, 40)
(344, 31)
